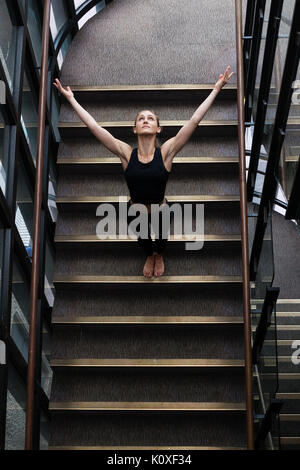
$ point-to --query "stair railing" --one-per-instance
(30, 404)
(244, 226)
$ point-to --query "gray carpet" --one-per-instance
(158, 41)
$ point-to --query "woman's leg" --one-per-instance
(159, 245)
(147, 246)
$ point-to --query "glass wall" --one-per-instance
(15, 411)
(29, 116)
(8, 44)
(58, 17)
(24, 208)
(20, 62)
(20, 305)
(3, 156)
(35, 30)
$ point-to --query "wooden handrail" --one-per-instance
(244, 225)
(36, 234)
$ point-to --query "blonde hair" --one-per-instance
(157, 120)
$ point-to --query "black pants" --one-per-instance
(149, 246)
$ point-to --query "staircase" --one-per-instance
(288, 333)
(148, 363)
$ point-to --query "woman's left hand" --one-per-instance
(223, 79)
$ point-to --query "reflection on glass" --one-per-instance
(49, 275)
(24, 208)
(63, 50)
(55, 108)
(3, 159)
(92, 12)
(8, 43)
(15, 411)
(46, 372)
(20, 307)
(44, 432)
(58, 17)
(78, 3)
(52, 189)
(29, 117)
(35, 30)
(1, 250)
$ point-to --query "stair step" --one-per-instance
(139, 448)
(124, 128)
(148, 428)
(145, 363)
(179, 239)
(145, 320)
(288, 396)
(290, 417)
(69, 279)
(65, 203)
(115, 161)
(171, 198)
(272, 360)
(150, 92)
(146, 406)
(281, 376)
(290, 440)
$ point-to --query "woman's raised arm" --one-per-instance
(172, 146)
(116, 146)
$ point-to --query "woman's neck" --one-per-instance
(146, 146)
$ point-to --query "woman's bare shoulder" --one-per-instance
(125, 153)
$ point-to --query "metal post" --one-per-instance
(244, 227)
(36, 236)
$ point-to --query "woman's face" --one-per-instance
(146, 124)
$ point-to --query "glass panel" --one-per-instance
(3, 160)
(52, 189)
(92, 12)
(49, 275)
(35, 30)
(78, 3)
(55, 108)
(63, 50)
(58, 17)
(8, 43)
(44, 432)
(1, 250)
(265, 271)
(46, 373)
(20, 308)
(29, 117)
(24, 208)
(15, 411)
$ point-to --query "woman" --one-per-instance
(147, 167)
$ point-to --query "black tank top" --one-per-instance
(146, 181)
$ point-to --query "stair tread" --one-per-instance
(149, 319)
(163, 87)
(116, 160)
(138, 448)
(148, 362)
(163, 123)
(148, 406)
(172, 238)
(142, 279)
(171, 198)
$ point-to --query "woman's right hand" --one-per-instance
(66, 92)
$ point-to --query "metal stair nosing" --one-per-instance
(148, 406)
(88, 279)
(148, 363)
